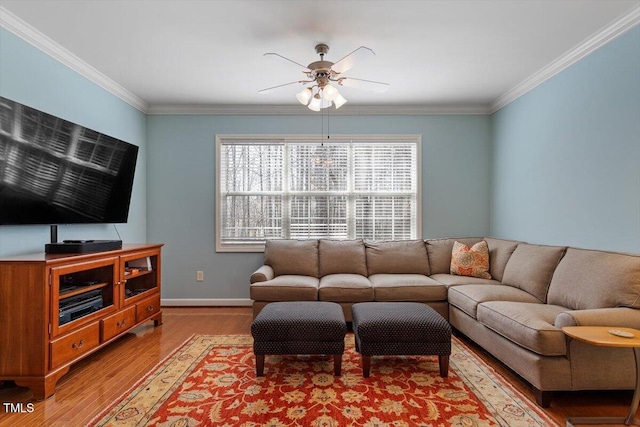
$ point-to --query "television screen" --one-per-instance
(56, 172)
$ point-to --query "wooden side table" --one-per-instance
(600, 336)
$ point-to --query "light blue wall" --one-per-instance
(33, 78)
(181, 193)
(566, 166)
(560, 165)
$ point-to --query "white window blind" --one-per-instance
(294, 187)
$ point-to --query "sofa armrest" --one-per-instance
(262, 274)
(618, 316)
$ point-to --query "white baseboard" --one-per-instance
(216, 302)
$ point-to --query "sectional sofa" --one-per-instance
(516, 315)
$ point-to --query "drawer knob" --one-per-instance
(78, 345)
(121, 323)
(150, 308)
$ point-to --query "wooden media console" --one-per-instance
(56, 309)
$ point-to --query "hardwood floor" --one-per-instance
(102, 377)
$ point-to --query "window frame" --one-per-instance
(220, 139)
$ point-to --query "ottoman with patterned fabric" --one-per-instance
(299, 327)
(400, 328)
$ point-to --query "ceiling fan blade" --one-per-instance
(276, 55)
(350, 60)
(274, 88)
(379, 87)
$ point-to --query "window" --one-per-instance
(295, 187)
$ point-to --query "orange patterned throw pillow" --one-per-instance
(474, 261)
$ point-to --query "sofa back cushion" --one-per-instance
(400, 257)
(587, 279)
(292, 257)
(531, 268)
(499, 253)
(440, 250)
(341, 256)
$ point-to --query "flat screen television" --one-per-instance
(53, 171)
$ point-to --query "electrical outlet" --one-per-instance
(199, 275)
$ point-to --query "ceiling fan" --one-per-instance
(322, 77)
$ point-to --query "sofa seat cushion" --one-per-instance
(530, 325)
(453, 280)
(407, 287)
(467, 297)
(345, 288)
(397, 257)
(286, 288)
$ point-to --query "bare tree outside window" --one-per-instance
(295, 187)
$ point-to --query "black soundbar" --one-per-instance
(82, 246)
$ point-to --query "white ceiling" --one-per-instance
(169, 53)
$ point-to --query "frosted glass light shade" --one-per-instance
(324, 102)
(330, 92)
(314, 105)
(304, 96)
(339, 101)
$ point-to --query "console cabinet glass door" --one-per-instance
(140, 274)
(82, 292)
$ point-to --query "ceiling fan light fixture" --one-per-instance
(320, 88)
(339, 101)
(314, 105)
(324, 102)
(330, 92)
(304, 95)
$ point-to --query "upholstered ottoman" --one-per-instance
(400, 328)
(299, 327)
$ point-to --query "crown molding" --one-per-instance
(26, 32)
(299, 110)
(602, 37)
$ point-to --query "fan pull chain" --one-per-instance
(328, 118)
(322, 127)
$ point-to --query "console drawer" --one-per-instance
(118, 323)
(147, 307)
(74, 345)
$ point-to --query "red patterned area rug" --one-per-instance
(211, 381)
